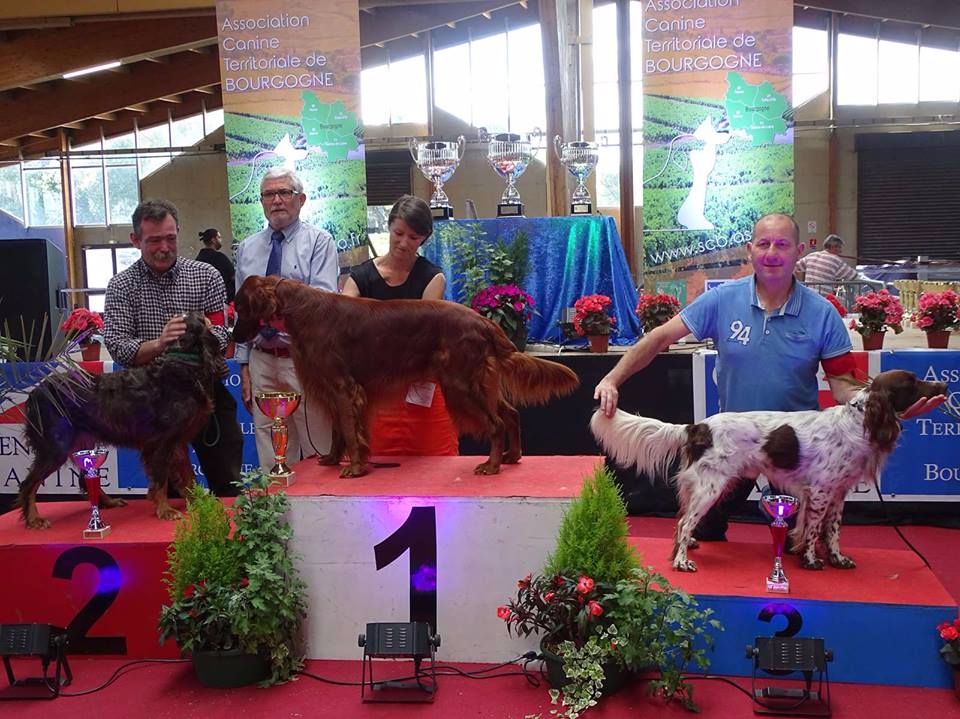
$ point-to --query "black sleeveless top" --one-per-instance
(372, 285)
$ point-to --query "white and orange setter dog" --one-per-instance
(815, 456)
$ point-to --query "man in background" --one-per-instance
(292, 249)
(826, 266)
(211, 254)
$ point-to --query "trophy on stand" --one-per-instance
(89, 461)
(278, 405)
(438, 161)
(509, 156)
(579, 158)
(780, 507)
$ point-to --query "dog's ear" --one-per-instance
(255, 304)
(880, 418)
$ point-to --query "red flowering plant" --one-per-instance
(656, 309)
(837, 304)
(878, 311)
(233, 584)
(507, 305)
(950, 634)
(81, 324)
(937, 311)
(591, 315)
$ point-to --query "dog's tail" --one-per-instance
(527, 380)
(648, 443)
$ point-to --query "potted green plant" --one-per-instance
(236, 601)
(600, 614)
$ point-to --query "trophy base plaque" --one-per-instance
(581, 208)
(283, 475)
(778, 587)
(96, 533)
(441, 213)
(509, 210)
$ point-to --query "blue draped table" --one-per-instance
(569, 257)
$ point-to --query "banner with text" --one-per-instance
(717, 133)
(291, 97)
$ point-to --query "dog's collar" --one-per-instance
(188, 357)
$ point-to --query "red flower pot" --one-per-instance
(90, 352)
(938, 339)
(873, 341)
(599, 343)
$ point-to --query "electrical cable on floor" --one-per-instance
(718, 678)
(896, 528)
(450, 670)
(116, 675)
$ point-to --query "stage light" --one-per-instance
(398, 640)
(91, 70)
(44, 641)
(782, 656)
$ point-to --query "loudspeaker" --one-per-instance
(32, 273)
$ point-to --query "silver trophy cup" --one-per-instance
(509, 155)
(89, 461)
(579, 158)
(780, 507)
(438, 161)
(278, 406)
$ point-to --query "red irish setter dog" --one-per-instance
(349, 351)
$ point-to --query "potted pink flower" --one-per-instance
(877, 311)
(937, 313)
(510, 307)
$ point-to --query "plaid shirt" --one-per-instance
(140, 302)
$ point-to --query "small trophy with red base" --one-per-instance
(89, 461)
(780, 507)
(278, 406)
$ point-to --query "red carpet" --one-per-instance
(447, 476)
(172, 692)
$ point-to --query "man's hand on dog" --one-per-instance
(172, 331)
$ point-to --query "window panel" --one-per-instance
(856, 70)
(488, 69)
(451, 81)
(898, 68)
(811, 64)
(407, 91)
(187, 131)
(213, 120)
(939, 75)
(88, 202)
(98, 265)
(157, 136)
(11, 191)
(375, 95)
(527, 93)
(44, 197)
(123, 193)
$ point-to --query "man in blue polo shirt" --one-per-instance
(771, 333)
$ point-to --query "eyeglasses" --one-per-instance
(282, 194)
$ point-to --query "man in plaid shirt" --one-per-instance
(143, 316)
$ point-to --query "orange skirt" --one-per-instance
(401, 429)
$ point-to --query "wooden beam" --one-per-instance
(550, 13)
(391, 23)
(41, 55)
(139, 107)
(76, 102)
(626, 134)
(173, 99)
(105, 116)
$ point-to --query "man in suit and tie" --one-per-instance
(293, 249)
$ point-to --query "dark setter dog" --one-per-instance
(347, 351)
(156, 408)
(815, 456)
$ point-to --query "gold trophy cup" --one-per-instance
(278, 405)
(89, 461)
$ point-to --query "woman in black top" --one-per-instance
(416, 423)
(401, 274)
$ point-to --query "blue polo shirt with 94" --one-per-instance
(767, 361)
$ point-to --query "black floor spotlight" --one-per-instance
(781, 657)
(44, 641)
(399, 640)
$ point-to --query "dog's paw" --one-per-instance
(354, 470)
(684, 565)
(328, 460)
(487, 467)
(842, 561)
(108, 502)
(168, 513)
(511, 457)
(37, 522)
(693, 543)
(811, 562)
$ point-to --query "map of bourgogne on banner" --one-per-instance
(684, 137)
